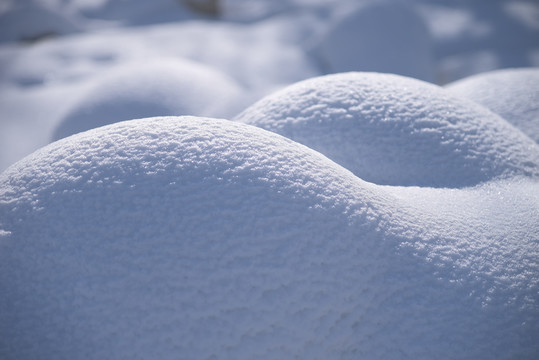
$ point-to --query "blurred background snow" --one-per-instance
(65, 63)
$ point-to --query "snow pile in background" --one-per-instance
(379, 36)
(54, 76)
(210, 238)
(394, 130)
(157, 88)
(512, 93)
(477, 36)
(52, 52)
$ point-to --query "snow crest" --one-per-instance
(394, 130)
(511, 93)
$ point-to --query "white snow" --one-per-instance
(382, 217)
(394, 130)
(57, 74)
(155, 88)
(380, 36)
(511, 93)
(210, 238)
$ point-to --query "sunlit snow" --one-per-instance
(269, 179)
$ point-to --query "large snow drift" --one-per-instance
(511, 93)
(393, 130)
(153, 88)
(202, 238)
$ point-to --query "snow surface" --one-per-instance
(205, 238)
(53, 51)
(381, 36)
(156, 88)
(511, 93)
(394, 130)
(404, 227)
(32, 21)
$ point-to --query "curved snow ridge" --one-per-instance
(393, 130)
(189, 146)
(195, 236)
(155, 88)
(208, 237)
(511, 93)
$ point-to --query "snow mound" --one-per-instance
(393, 130)
(209, 238)
(511, 93)
(170, 236)
(381, 36)
(156, 88)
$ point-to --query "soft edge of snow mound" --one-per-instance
(209, 238)
(511, 93)
(393, 130)
(188, 231)
(153, 88)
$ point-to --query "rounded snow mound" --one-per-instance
(209, 238)
(157, 88)
(394, 130)
(511, 93)
(167, 236)
(389, 37)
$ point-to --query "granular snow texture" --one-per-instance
(200, 238)
(394, 130)
(511, 93)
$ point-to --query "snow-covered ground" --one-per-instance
(311, 179)
(53, 52)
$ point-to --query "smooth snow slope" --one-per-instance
(394, 130)
(201, 238)
(153, 88)
(511, 93)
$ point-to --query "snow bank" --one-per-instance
(155, 88)
(210, 238)
(511, 93)
(379, 36)
(393, 130)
